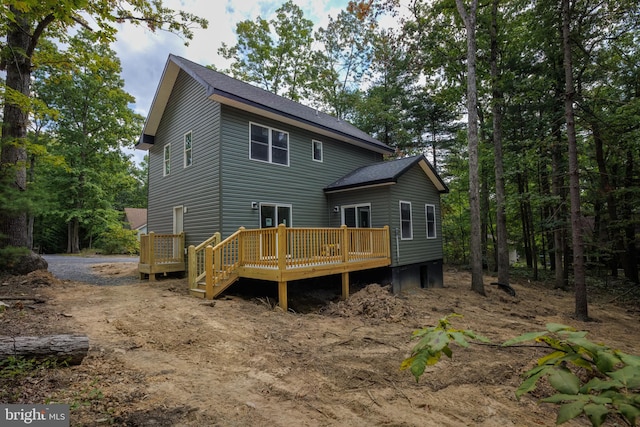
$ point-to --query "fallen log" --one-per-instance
(69, 349)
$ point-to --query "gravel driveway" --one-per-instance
(77, 268)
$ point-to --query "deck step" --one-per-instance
(198, 293)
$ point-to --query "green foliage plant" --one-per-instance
(116, 239)
(611, 386)
(434, 341)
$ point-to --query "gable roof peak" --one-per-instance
(230, 91)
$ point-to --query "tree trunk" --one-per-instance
(13, 156)
(469, 19)
(498, 103)
(73, 236)
(70, 349)
(581, 306)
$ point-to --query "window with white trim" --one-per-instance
(406, 224)
(167, 160)
(268, 145)
(316, 146)
(188, 149)
(430, 214)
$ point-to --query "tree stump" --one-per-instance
(70, 349)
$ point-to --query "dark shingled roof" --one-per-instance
(224, 88)
(385, 173)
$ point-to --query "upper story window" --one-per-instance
(317, 150)
(167, 160)
(430, 212)
(406, 224)
(269, 145)
(188, 149)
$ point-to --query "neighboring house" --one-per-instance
(225, 154)
(137, 219)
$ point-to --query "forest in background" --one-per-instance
(405, 84)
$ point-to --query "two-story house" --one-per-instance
(224, 154)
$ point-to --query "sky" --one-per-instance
(143, 54)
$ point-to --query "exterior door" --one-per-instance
(357, 216)
(272, 215)
(178, 227)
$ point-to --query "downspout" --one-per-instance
(397, 246)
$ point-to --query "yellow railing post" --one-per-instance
(208, 263)
(345, 244)
(282, 247)
(192, 266)
(241, 246)
(152, 248)
(387, 242)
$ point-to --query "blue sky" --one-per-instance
(143, 53)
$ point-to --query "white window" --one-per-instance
(430, 213)
(269, 145)
(188, 150)
(167, 160)
(317, 150)
(406, 224)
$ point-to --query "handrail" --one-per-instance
(286, 248)
(196, 256)
(161, 248)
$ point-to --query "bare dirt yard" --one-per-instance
(160, 357)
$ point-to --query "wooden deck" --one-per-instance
(274, 254)
(161, 253)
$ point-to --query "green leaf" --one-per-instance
(560, 398)
(458, 337)
(606, 361)
(569, 411)
(591, 347)
(557, 327)
(630, 412)
(446, 350)
(596, 384)
(529, 336)
(629, 376)
(628, 359)
(552, 358)
(438, 341)
(564, 381)
(530, 383)
(596, 413)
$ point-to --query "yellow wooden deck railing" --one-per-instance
(196, 258)
(161, 253)
(282, 254)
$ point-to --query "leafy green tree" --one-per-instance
(23, 25)
(274, 54)
(93, 122)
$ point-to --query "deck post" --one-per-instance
(152, 256)
(192, 266)
(345, 243)
(282, 248)
(208, 265)
(282, 295)
(345, 285)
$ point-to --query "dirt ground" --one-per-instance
(160, 357)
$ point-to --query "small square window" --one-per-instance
(317, 151)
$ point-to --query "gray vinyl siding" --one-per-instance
(415, 187)
(300, 184)
(197, 186)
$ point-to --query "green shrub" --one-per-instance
(115, 239)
